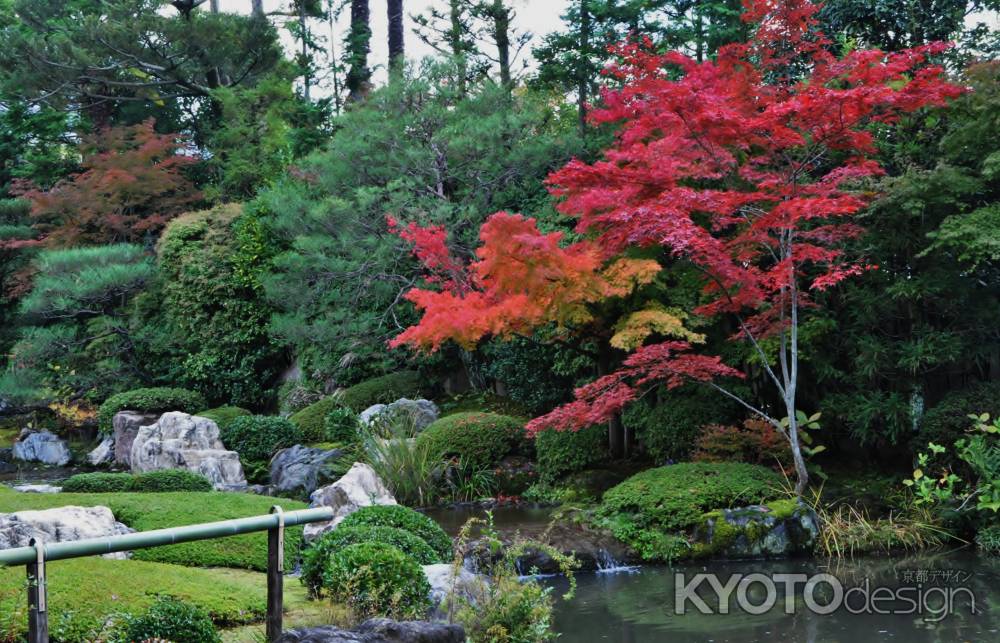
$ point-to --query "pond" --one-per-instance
(638, 607)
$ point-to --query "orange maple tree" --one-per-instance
(749, 167)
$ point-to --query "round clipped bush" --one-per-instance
(314, 559)
(478, 439)
(258, 437)
(311, 420)
(341, 426)
(98, 483)
(170, 480)
(380, 390)
(564, 452)
(224, 415)
(375, 579)
(170, 619)
(403, 518)
(148, 400)
(675, 496)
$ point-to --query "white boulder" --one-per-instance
(59, 525)
(181, 441)
(44, 447)
(446, 586)
(104, 453)
(359, 487)
(37, 488)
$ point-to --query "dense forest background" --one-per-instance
(198, 198)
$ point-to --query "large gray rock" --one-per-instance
(359, 487)
(125, 426)
(379, 630)
(181, 441)
(446, 587)
(104, 453)
(300, 470)
(37, 488)
(423, 413)
(44, 447)
(757, 531)
(59, 525)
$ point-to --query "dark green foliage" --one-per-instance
(205, 322)
(644, 510)
(173, 620)
(667, 424)
(312, 419)
(403, 518)
(380, 390)
(149, 400)
(477, 439)
(316, 556)
(988, 540)
(564, 452)
(535, 375)
(170, 480)
(258, 437)
(224, 415)
(377, 579)
(341, 426)
(151, 482)
(949, 419)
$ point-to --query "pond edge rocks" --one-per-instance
(774, 530)
(379, 630)
(42, 446)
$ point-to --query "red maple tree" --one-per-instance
(749, 167)
(132, 182)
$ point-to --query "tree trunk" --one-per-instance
(304, 34)
(618, 445)
(456, 37)
(358, 46)
(257, 8)
(397, 52)
(216, 77)
(583, 77)
(501, 35)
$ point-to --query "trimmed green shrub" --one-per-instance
(224, 415)
(380, 390)
(564, 452)
(644, 510)
(258, 437)
(377, 579)
(152, 482)
(312, 419)
(403, 518)
(98, 483)
(170, 619)
(478, 439)
(668, 425)
(341, 426)
(315, 557)
(149, 400)
(949, 419)
(170, 480)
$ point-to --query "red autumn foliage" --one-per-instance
(132, 182)
(749, 167)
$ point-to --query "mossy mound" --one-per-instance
(779, 528)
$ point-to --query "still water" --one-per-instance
(638, 607)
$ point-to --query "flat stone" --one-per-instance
(59, 525)
(379, 630)
(37, 488)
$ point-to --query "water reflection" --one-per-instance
(639, 607)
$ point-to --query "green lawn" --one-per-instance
(85, 593)
(147, 511)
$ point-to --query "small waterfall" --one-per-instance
(606, 564)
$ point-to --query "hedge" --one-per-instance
(148, 400)
(151, 482)
(224, 415)
(478, 439)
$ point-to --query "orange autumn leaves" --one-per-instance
(523, 278)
